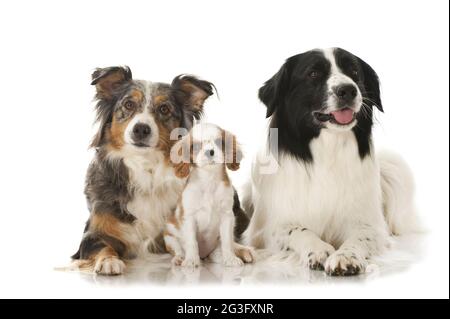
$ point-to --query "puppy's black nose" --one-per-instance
(209, 153)
(141, 131)
(346, 92)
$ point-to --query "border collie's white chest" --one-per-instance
(326, 195)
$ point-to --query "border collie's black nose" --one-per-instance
(141, 131)
(346, 92)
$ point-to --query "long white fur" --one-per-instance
(205, 214)
(337, 211)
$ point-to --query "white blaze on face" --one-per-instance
(338, 78)
(205, 137)
(144, 116)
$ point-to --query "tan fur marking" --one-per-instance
(225, 178)
(115, 135)
(108, 83)
(174, 221)
(197, 95)
(137, 95)
(158, 99)
(107, 224)
(106, 252)
(164, 143)
(183, 168)
(231, 148)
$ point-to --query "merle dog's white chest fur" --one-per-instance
(156, 191)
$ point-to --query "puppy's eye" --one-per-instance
(313, 74)
(218, 142)
(164, 109)
(129, 105)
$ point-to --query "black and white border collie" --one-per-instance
(131, 185)
(330, 199)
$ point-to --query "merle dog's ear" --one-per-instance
(371, 85)
(106, 80)
(272, 93)
(191, 93)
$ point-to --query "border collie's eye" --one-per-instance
(313, 74)
(129, 105)
(355, 72)
(164, 109)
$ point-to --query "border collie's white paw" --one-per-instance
(345, 263)
(317, 256)
(109, 266)
(232, 261)
(191, 262)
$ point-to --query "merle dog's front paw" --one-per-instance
(109, 266)
(345, 263)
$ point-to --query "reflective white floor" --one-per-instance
(404, 253)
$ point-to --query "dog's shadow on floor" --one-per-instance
(405, 251)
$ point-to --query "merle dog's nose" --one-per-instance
(141, 131)
(346, 92)
(209, 153)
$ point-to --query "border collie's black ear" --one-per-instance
(273, 91)
(106, 80)
(192, 92)
(372, 85)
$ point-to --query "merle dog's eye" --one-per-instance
(129, 105)
(164, 109)
(313, 74)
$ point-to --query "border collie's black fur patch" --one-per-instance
(291, 96)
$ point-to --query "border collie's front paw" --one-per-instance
(345, 263)
(191, 262)
(109, 266)
(232, 261)
(317, 257)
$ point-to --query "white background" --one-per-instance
(48, 50)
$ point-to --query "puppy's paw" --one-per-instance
(109, 266)
(177, 260)
(246, 254)
(191, 262)
(232, 261)
(317, 256)
(345, 263)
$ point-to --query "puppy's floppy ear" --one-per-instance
(106, 80)
(371, 85)
(273, 92)
(232, 151)
(191, 93)
(181, 155)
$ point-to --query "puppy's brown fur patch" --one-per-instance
(232, 151)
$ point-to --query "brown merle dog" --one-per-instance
(131, 188)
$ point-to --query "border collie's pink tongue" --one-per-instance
(343, 116)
